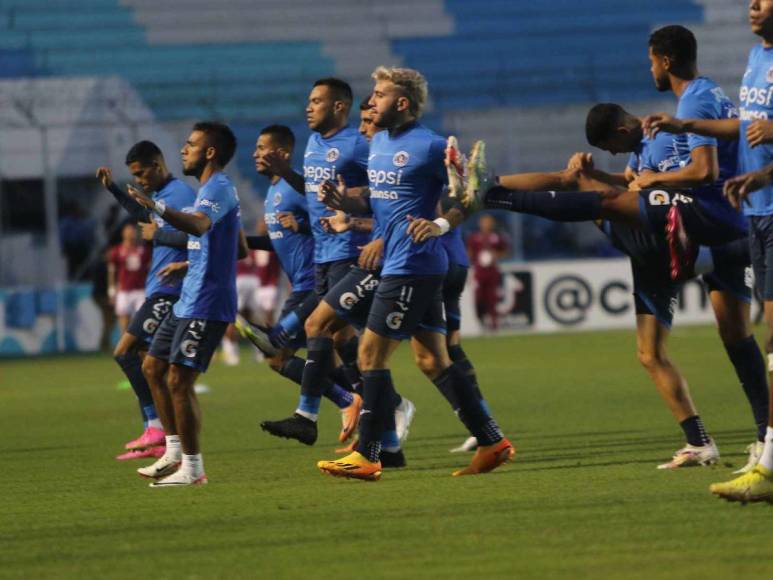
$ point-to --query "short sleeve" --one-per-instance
(701, 106)
(214, 201)
(633, 162)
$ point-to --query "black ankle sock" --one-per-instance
(378, 394)
(131, 365)
(694, 431)
(319, 363)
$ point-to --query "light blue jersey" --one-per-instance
(209, 287)
(344, 154)
(756, 102)
(178, 195)
(294, 249)
(407, 175)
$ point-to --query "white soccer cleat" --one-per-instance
(404, 413)
(479, 178)
(456, 166)
(166, 465)
(755, 452)
(470, 444)
(693, 456)
(180, 479)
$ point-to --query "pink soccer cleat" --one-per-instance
(151, 437)
(156, 451)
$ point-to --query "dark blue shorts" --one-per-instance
(453, 286)
(761, 249)
(704, 223)
(148, 318)
(329, 274)
(404, 305)
(656, 293)
(303, 303)
(187, 341)
(352, 297)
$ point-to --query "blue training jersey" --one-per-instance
(178, 195)
(344, 154)
(756, 102)
(294, 249)
(407, 175)
(209, 287)
(455, 248)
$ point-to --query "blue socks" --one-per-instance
(750, 370)
(560, 206)
(131, 365)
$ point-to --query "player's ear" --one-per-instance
(403, 104)
(210, 153)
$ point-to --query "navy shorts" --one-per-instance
(761, 249)
(352, 297)
(706, 223)
(148, 318)
(453, 286)
(329, 274)
(187, 342)
(406, 304)
(656, 293)
(302, 303)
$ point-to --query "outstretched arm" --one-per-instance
(196, 223)
(135, 210)
(727, 129)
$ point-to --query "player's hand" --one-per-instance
(580, 161)
(140, 197)
(737, 189)
(148, 230)
(288, 221)
(642, 181)
(173, 271)
(105, 175)
(422, 229)
(657, 122)
(338, 223)
(332, 195)
(371, 255)
(759, 132)
(275, 163)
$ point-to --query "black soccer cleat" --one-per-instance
(296, 427)
(392, 459)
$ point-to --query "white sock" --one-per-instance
(192, 464)
(309, 416)
(173, 449)
(767, 453)
(230, 347)
(155, 423)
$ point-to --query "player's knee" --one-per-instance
(368, 357)
(651, 359)
(178, 383)
(315, 324)
(153, 369)
(427, 363)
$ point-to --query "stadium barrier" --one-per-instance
(574, 296)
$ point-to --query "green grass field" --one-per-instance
(582, 498)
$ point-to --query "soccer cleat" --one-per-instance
(455, 167)
(257, 335)
(350, 418)
(165, 466)
(479, 180)
(354, 466)
(151, 437)
(348, 448)
(157, 451)
(470, 444)
(682, 251)
(181, 479)
(488, 457)
(755, 452)
(392, 459)
(755, 485)
(404, 413)
(296, 427)
(692, 456)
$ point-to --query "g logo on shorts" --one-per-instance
(394, 320)
(348, 300)
(659, 197)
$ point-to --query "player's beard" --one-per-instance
(389, 119)
(196, 169)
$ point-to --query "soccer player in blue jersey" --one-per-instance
(406, 176)
(287, 219)
(753, 192)
(187, 338)
(146, 164)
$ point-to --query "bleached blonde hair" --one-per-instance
(411, 82)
